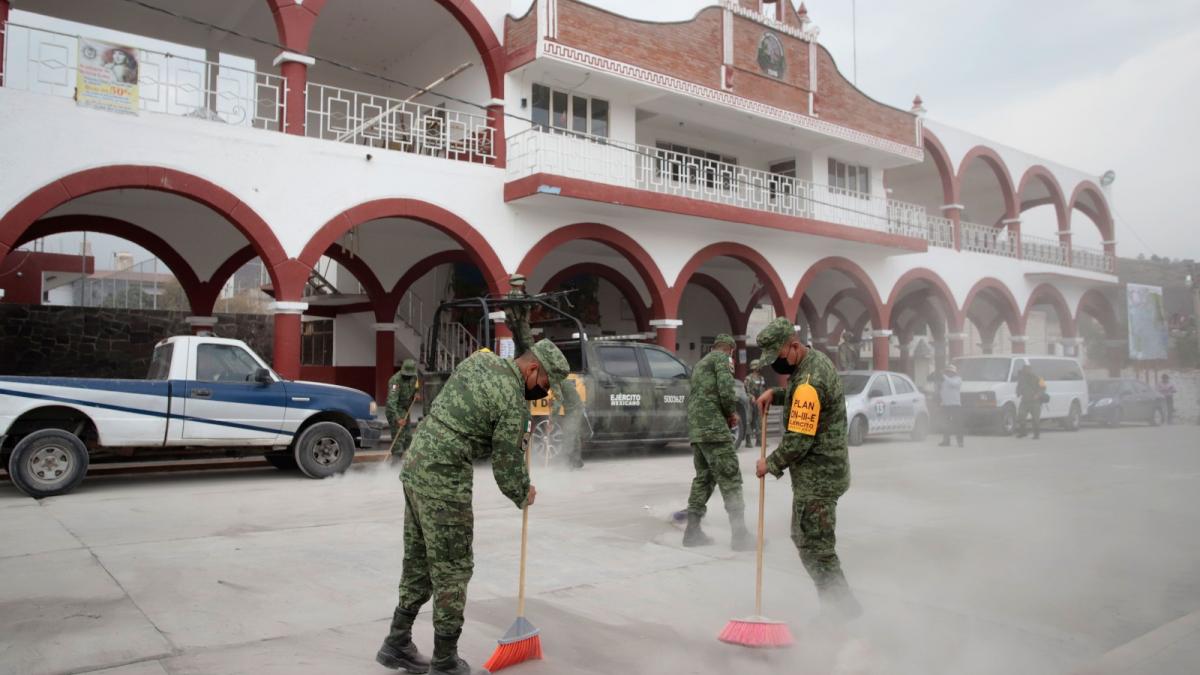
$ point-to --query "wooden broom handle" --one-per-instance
(524, 542)
(762, 498)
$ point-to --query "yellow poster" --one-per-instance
(805, 412)
(107, 77)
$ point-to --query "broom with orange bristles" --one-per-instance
(522, 642)
(757, 631)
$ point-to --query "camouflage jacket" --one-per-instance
(401, 391)
(481, 412)
(813, 449)
(754, 385)
(712, 399)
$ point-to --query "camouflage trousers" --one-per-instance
(814, 522)
(402, 438)
(716, 465)
(754, 427)
(438, 559)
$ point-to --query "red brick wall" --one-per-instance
(520, 38)
(21, 273)
(750, 82)
(838, 101)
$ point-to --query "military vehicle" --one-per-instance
(634, 393)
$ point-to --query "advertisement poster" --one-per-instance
(107, 77)
(1148, 335)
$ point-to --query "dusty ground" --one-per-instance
(1004, 557)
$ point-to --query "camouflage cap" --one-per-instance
(772, 338)
(724, 339)
(408, 368)
(548, 354)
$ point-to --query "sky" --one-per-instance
(1092, 84)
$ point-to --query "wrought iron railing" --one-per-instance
(984, 239)
(1092, 259)
(1043, 249)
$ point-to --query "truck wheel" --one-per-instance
(48, 462)
(1008, 420)
(546, 441)
(324, 449)
(1071, 421)
(284, 461)
(858, 431)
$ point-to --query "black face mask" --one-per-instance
(781, 366)
(537, 393)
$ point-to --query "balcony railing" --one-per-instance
(984, 239)
(349, 116)
(1042, 249)
(46, 62)
(1091, 259)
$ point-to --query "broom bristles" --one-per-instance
(757, 633)
(513, 653)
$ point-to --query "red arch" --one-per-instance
(614, 239)
(418, 270)
(476, 246)
(1007, 308)
(133, 177)
(856, 275)
(1048, 294)
(1041, 173)
(1103, 217)
(737, 320)
(855, 294)
(993, 161)
(362, 272)
(209, 290)
(749, 257)
(938, 286)
(1095, 304)
(945, 168)
(624, 286)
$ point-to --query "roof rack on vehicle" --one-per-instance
(621, 338)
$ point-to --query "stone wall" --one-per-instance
(92, 342)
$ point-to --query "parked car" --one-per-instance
(989, 391)
(201, 394)
(1124, 400)
(879, 402)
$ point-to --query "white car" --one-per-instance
(989, 390)
(879, 402)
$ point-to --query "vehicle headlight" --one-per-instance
(374, 408)
(1104, 402)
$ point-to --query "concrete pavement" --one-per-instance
(1033, 557)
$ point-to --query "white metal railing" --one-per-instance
(46, 62)
(411, 312)
(941, 231)
(984, 239)
(348, 116)
(1043, 249)
(455, 342)
(1092, 259)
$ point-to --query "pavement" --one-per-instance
(1078, 553)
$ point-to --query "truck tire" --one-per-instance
(858, 431)
(546, 442)
(1006, 422)
(48, 462)
(324, 449)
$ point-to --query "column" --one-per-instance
(1014, 234)
(881, 341)
(201, 325)
(740, 366)
(954, 213)
(293, 68)
(1118, 351)
(666, 332)
(1064, 241)
(1072, 346)
(495, 113)
(4, 6)
(957, 342)
(385, 358)
(287, 337)
(1018, 344)
(904, 361)
(1110, 251)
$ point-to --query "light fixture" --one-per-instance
(1108, 178)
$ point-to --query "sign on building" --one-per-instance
(1148, 334)
(107, 77)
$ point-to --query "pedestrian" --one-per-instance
(1167, 389)
(711, 413)
(403, 389)
(848, 352)
(813, 450)
(481, 413)
(754, 384)
(950, 404)
(1031, 391)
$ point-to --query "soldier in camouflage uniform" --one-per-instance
(814, 450)
(848, 352)
(482, 412)
(754, 384)
(711, 411)
(403, 389)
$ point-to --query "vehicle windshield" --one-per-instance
(983, 370)
(1104, 387)
(854, 383)
(160, 363)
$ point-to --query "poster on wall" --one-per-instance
(1148, 335)
(107, 77)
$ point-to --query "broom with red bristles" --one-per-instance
(522, 642)
(757, 631)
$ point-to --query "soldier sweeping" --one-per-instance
(754, 385)
(403, 390)
(814, 450)
(711, 411)
(482, 412)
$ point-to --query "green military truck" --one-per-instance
(634, 394)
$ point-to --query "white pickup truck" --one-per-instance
(201, 394)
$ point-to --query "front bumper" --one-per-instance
(369, 433)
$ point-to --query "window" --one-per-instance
(663, 366)
(559, 110)
(786, 169)
(849, 178)
(620, 361)
(693, 165)
(880, 387)
(160, 363)
(224, 363)
(902, 385)
(853, 383)
(316, 343)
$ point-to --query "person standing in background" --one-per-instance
(950, 403)
(1167, 389)
(1030, 389)
(754, 384)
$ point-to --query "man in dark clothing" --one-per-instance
(1030, 389)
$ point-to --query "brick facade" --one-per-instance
(520, 38)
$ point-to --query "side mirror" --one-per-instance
(263, 376)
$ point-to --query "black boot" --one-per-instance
(741, 540)
(838, 604)
(693, 535)
(445, 656)
(398, 650)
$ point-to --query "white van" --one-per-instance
(989, 391)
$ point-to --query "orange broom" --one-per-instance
(522, 642)
(757, 631)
